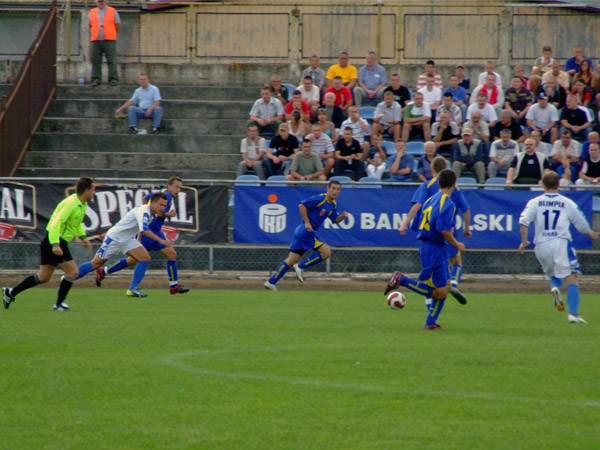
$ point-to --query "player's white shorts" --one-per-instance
(110, 248)
(557, 258)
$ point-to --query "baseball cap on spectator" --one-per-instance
(467, 131)
(542, 95)
(460, 66)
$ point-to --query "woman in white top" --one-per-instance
(297, 126)
(326, 126)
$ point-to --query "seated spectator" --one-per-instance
(316, 74)
(347, 72)
(573, 65)
(449, 107)
(585, 74)
(349, 155)
(543, 116)
(306, 165)
(431, 95)
(297, 105)
(468, 155)
(359, 127)
(322, 146)
(481, 130)
(502, 153)
(527, 167)
(278, 90)
(388, 116)
(487, 111)
(593, 138)
(459, 95)
(372, 80)
(377, 157)
(463, 81)
(583, 93)
(520, 72)
(540, 146)
(327, 126)
(311, 95)
(401, 93)
(281, 152)
(266, 113)
(507, 122)
(556, 94)
(343, 96)
(445, 135)
(145, 103)
(297, 127)
(334, 112)
(401, 164)
(489, 70)
(557, 75)
(429, 70)
(493, 93)
(542, 65)
(424, 172)
(253, 149)
(589, 175)
(565, 158)
(575, 119)
(417, 119)
(518, 100)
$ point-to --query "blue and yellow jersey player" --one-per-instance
(436, 226)
(313, 210)
(171, 191)
(426, 190)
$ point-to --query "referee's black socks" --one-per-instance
(27, 283)
(63, 289)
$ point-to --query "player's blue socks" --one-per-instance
(172, 271)
(115, 267)
(313, 259)
(416, 286)
(138, 274)
(556, 283)
(573, 299)
(84, 269)
(455, 274)
(281, 270)
(434, 311)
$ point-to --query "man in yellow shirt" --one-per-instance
(347, 71)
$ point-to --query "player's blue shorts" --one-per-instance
(434, 259)
(304, 241)
(151, 244)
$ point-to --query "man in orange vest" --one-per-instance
(104, 24)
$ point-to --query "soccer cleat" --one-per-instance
(435, 326)
(299, 273)
(458, 295)
(558, 303)
(393, 283)
(575, 319)
(7, 297)
(99, 276)
(136, 293)
(178, 290)
(270, 286)
(61, 307)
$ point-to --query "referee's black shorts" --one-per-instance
(47, 258)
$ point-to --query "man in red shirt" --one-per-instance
(343, 96)
(297, 104)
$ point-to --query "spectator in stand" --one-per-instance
(431, 94)
(487, 111)
(502, 153)
(104, 26)
(359, 127)
(430, 70)
(372, 80)
(347, 72)
(463, 82)
(388, 116)
(327, 126)
(527, 167)
(585, 74)
(311, 95)
(589, 175)
(334, 112)
(313, 71)
(556, 94)
(377, 157)
(279, 90)
(576, 119)
(542, 65)
(543, 116)
(322, 146)
(401, 164)
(494, 93)
(468, 155)
(145, 103)
(349, 156)
(573, 65)
(424, 164)
(343, 96)
(266, 113)
(565, 157)
(489, 70)
(518, 100)
(562, 78)
(445, 135)
(584, 93)
(299, 105)
(307, 165)
(253, 148)
(297, 127)
(458, 93)
(401, 93)
(281, 152)
(540, 146)
(481, 130)
(593, 138)
(449, 107)
(417, 119)
(507, 122)
(520, 72)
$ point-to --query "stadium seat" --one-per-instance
(341, 179)
(596, 204)
(369, 180)
(291, 88)
(495, 180)
(367, 113)
(277, 178)
(246, 177)
(267, 143)
(389, 147)
(466, 183)
(415, 148)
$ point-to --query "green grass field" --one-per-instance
(262, 370)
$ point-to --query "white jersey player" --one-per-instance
(552, 215)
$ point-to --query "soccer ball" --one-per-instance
(396, 300)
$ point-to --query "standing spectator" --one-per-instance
(542, 65)
(502, 153)
(562, 78)
(518, 100)
(316, 74)
(432, 95)
(321, 144)
(527, 167)
(297, 104)
(333, 111)
(327, 126)
(104, 26)
(349, 155)
(507, 122)
(401, 93)
(481, 130)
(279, 90)
(266, 113)
(429, 70)
(589, 175)
(468, 155)
(417, 119)
(311, 95)
(343, 96)
(376, 158)
(445, 134)
(252, 148)
(493, 93)
(359, 127)
(565, 156)
(573, 64)
(543, 117)
(372, 80)
(147, 98)
(424, 170)
(306, 165)
(556, 94)
(463, 81)
(458, 93)
(576, 119)
(281, 151)
(347, 72)
(487, 111)
(489, 70)
(401, 164)
(388, 116)
(449, 107)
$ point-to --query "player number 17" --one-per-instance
(556, 213)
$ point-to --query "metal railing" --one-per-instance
(23, 108)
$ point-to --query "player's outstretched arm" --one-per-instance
(411, 214)
(341, 217)
(524, 241)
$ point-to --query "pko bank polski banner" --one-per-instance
(266, 214)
